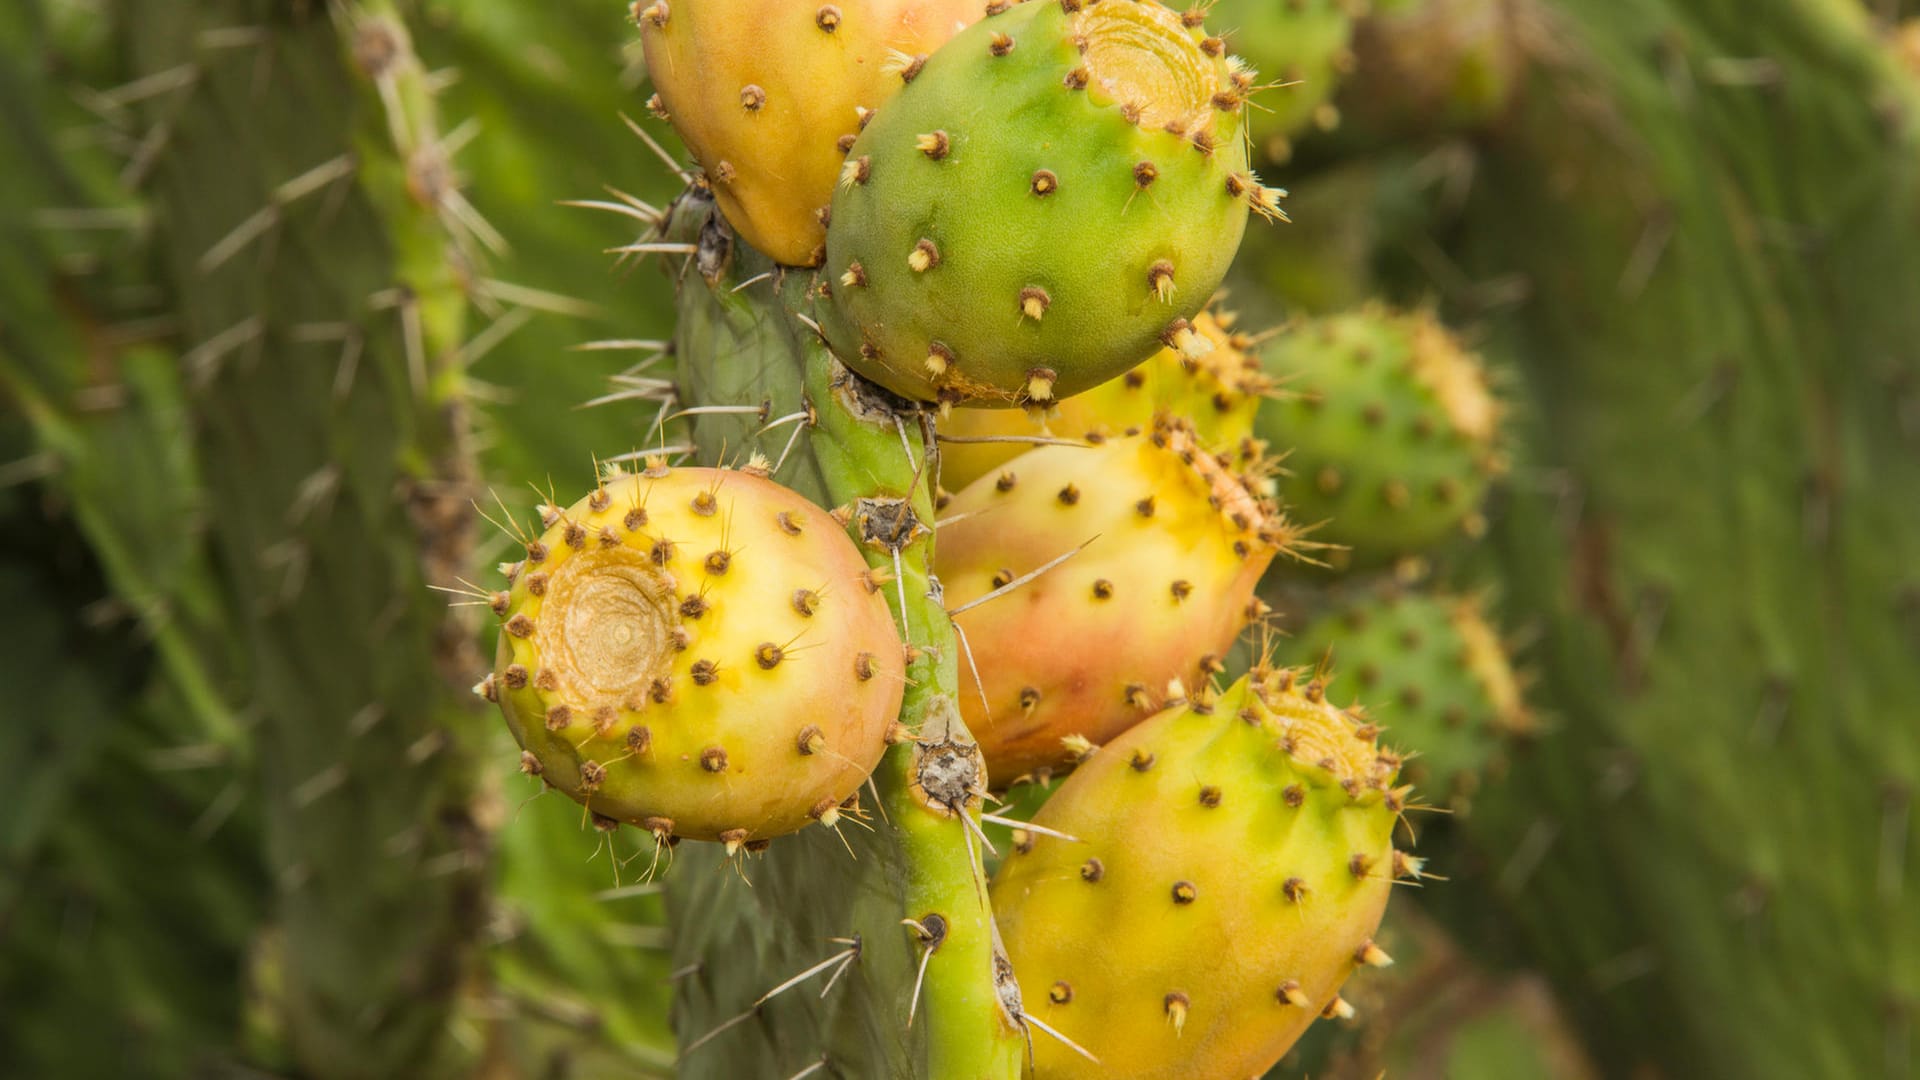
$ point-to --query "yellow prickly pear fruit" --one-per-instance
(699, 652)
(1219, 391)
(769, 95)
(1234, 861)
(1174, 544)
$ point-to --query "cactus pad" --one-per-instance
(1390, 433)
(1174, 544)
(699, 652)
(1057, 192)
(769, 96)
(1236, 858)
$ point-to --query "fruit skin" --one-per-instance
(763, 91)
(1434, 673)
(1219, 392)
(1390, 432)
(698, 652)
(1233, 849)
(1161, 589)
(1002, 236)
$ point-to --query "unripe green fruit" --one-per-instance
(1433, 672)
(1390, 432)
(700, 652)
(1053, 197)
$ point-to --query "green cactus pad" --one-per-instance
(1389, 432)
(1431, 670)
(1052, 198)
(1233, 858)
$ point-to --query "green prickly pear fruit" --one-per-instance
(1219, 391)
(1054, 196)
(1174, 544)
(1303, 47)
(1438, 677)
(700, 652)
(1234, 859)
(1390, 430)
(769, 96)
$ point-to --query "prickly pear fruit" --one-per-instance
(1300, 45)
(1055, 195)
(1436, 676)
(1235, 858)
(1174, 544)
(1219, 391)
(769, 95)
(699, 652)
(1390, 431)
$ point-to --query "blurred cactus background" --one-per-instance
(291, 311)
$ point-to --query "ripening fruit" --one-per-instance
(1174, 543)
(1389, 430)
(699, 652)
(769, 95)
(1234, 861)
(1054, 196)
(1218, 391)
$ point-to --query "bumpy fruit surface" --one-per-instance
(1236, 858)
(769, 94)
(1053, 197)
(1300, 45)
(1175, 543)
(1434, 674)
(697, 651)
(1390, 430)
(1218, 391)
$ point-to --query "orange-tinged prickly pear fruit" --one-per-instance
(1219, 391)
(1234, 859)
(1174, 542)
(699, 652)
(769, 95)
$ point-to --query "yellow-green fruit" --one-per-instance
(1174, 544)
(769, 95)
(699, 652)
(1218, 391)
(1235, 857)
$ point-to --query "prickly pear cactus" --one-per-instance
(1054, 196)
(1162, 548)
(769, 96)
(1435, 674)
(1392, 429)
(1255, 824)
(1218, 392)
